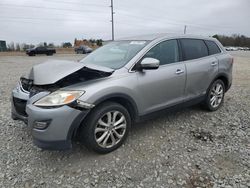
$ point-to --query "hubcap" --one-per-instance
(110, 129)
(216, 95)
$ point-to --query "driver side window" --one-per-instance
(166, 52)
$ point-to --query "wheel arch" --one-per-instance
(121, 99)
(224, 78)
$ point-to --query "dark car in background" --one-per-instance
(83, 49)
(40, 50)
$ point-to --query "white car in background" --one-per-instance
(231, 48)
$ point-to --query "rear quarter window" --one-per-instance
(193, 48)
(212, 47)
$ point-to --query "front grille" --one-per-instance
(20, 106)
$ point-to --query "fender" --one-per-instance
(218, 76)
(119, 95)
(80, 118)
(225, 76)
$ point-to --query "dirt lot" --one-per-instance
(188, 148)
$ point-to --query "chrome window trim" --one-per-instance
(155, 44)
(163, 40)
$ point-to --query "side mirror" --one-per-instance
(149, 63)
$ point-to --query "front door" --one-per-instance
(164, 86)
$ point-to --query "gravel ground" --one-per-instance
(188, 148)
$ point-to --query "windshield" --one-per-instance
(115, 54)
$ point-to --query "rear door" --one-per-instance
(200, 65)
(164, 86)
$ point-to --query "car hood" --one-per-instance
(52, 71)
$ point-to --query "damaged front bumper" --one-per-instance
(19, 100)
(51, 128)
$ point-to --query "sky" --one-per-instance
(57, 21)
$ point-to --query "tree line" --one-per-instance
(234, 40)
(24, 46)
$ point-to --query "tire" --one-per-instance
(216, 91)
(103, 137)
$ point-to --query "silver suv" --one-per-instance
(97, 99)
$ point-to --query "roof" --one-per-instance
(152, 37)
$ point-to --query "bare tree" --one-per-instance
(18, 47)
(66, 45)
(51, 45)
(234, 40)
(11, 46)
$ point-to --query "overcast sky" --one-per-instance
(34, 21)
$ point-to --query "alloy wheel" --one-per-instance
(110, 129)
(216, 95)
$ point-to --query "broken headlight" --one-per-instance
(59, 98)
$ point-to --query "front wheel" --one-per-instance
(106, 128)
(215, 96)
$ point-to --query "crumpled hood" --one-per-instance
(54, 70)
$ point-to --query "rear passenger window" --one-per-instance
(193, 48)
(212, 47)
(166, 52)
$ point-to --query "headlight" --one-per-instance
(59, 98)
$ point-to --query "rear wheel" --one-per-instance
(215, 96)
(106, 128)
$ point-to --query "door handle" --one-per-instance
(214, 64)
(179, 71)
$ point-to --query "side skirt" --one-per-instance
(174, 108)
